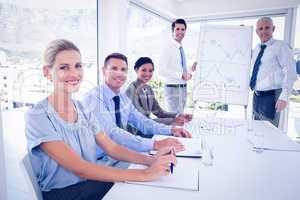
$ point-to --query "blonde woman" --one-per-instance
(62, 138)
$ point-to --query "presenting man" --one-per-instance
(173, 69)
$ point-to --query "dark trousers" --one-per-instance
(264, 106)
(87, 190)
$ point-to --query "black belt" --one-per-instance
(176, 85)
(266, 93)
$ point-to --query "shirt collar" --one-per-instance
(269, 42)
(107, 92)
(175, 43)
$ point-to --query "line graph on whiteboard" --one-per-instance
(224, 56)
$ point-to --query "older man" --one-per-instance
(273, 73)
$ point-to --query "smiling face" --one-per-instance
(179, 32)
(66, 72)
(145, 72)
(115, 73)
(264, 30)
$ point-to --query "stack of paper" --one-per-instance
(277, 142)
(183, 177)
(192, 146)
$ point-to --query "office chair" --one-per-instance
(30, 177)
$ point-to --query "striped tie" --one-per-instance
(256, 66)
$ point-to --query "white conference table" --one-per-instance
(237, 173)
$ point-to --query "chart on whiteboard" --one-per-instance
(224, 56)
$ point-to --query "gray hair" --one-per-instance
(269, 19)
(55, 47)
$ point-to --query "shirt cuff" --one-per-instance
(284, 95)
(166, 131)
(148, 144)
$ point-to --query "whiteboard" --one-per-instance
(223, 71)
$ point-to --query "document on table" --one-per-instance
(278, 142)
(183, 177)
(192, 146)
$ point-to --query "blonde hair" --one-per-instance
(55, 47)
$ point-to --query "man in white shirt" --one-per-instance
(273, 73)
(172, 68)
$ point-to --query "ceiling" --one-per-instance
(194, 8)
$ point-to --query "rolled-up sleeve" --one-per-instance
(288, 65)
(39, 129)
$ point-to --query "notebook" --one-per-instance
(184, 177)
(192, 146)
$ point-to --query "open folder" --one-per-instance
(192, 146)
(184, 177)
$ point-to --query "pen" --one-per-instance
(172, 164)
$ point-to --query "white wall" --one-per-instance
(212, 7)
(167, 8)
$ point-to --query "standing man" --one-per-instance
(114, 111)
(273, 74)
(173, 69)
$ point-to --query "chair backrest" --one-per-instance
(30, 177)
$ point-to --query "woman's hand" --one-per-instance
(161, 165)
(180, 132)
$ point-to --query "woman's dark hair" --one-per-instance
(141, 61)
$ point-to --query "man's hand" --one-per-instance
(186, 76)
(182, 118)
(180, 132)
(169, 142)
(280, 105)
(194, 66)
(188, 117)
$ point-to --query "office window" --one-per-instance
(146, 34)
(277, 20)
(294, 111)
(28, 26)
(297, 31)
